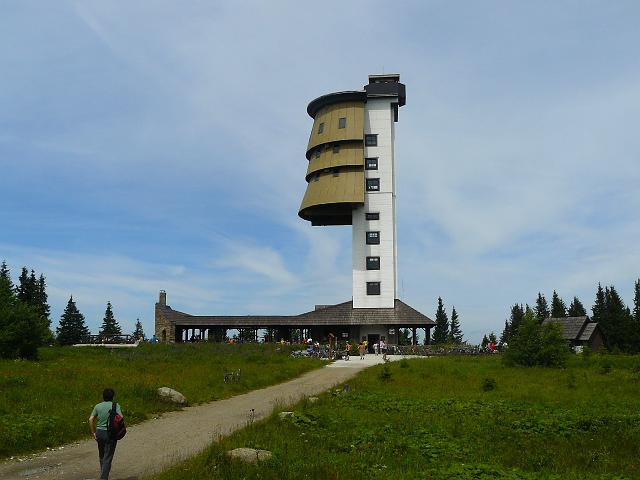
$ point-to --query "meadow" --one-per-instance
(451, 418)
(47, 403)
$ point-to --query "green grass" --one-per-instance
(47, 403)
(452, 418)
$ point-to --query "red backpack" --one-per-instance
(115, 426)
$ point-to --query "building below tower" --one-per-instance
(341, 320)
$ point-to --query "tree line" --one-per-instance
(25, 322)
(620, 325)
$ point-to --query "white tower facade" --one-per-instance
(374, 254)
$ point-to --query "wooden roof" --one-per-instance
(574, 328)
(402, 315)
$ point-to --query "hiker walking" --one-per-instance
(348, 350)
(98, 422)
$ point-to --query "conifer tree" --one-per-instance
(636, 302)
(542, 308)
(22, 328)
(485, 342)
(441, 329)
(110, 326)
(24, 289)
(558, 307)
(6, 285)
(138, 333)
(599, 307)
(455, 333)
(493, 338)
(72, 328)
(506, 333)
(41, 297)
(617, 322)
(511, 326)
(576, 309)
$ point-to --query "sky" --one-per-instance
(161, 145)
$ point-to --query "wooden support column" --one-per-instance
(414, 341)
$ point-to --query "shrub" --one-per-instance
(536, 344)
(385, 374)
(489, 384)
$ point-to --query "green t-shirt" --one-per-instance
(101, 412)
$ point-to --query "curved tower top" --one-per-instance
(335, 151)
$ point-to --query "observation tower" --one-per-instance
(351, 180)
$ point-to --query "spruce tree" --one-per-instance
(441, 329)
(618, 322)
(41, 297)
(542, 308)
(485, 342)
(138, 333)
(6, 285)
(558, 307)
(110, 326)
(24, 289)
(576, 309)
(599, 307)
(72, 328)
(22, 328)
(511, 326)
(455, 333)
(636, 302)
(506, 333)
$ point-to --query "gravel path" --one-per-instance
(154, 445)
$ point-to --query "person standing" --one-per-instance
(383, 350)
(98, 422)
(361, 348)
(348, 350)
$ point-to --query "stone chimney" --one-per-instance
(163, 298)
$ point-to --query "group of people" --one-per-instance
(378, 348)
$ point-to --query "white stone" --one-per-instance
(249, 455)
(285, 414)
(171, 395)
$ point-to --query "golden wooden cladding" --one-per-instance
(352, 112)
(339, 155)
(347, 187)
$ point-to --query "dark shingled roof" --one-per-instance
(345, 314)
(340, 314)
(589, 328)
(574, 328)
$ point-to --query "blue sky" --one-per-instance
(160, 145)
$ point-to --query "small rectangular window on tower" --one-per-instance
(318, 152)
(320, 128)
(342, 122)
(371, 140)
(372, 216)
(336, 172)
(373, 184)
(373, 288)
(373, 263)
(371, 163)
(373, 238)
(336, 148)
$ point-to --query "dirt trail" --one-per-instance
(154, 445)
